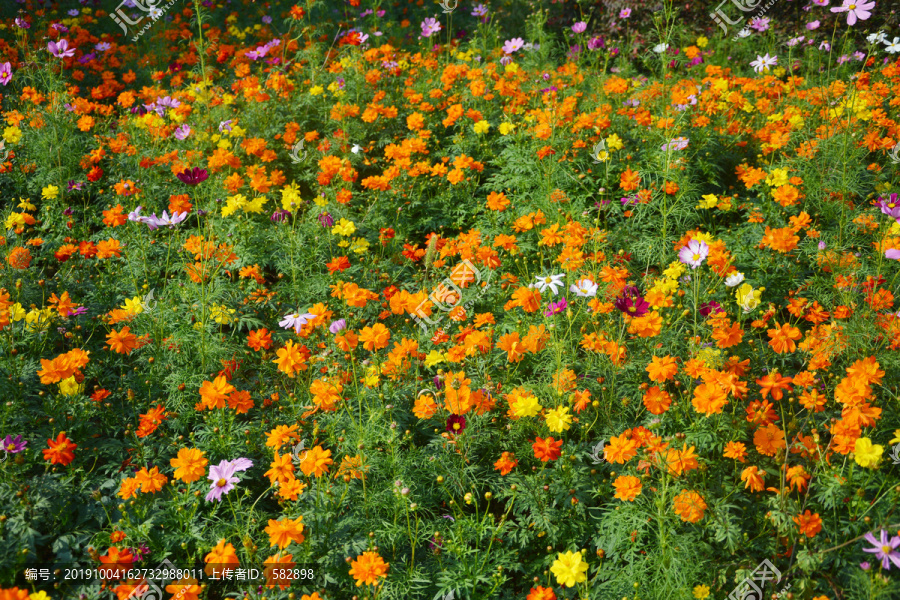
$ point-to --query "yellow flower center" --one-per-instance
(696, 257)
(11, 447)
(222, 482)
(887, 549)
(548, 280)
(456, 426)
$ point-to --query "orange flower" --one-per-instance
(114, 216)
(292, 358)
(657, 401)
(628, 487)
(375, 337)
(283, 532)
(782, 338)
(116, 560)
(629, 180)
(735, 450)
(316, 462)
(259, 339)
(753, 478)
(19, 258)
(709, 399)
(184, 589)
(278, 570)
(690, 506)
(367, 568)
(662, 369)
(506, 463)
(497, 201)
(151, 481)
(282, 469)
(769, 439)
(541, 593)
(773, 382)
(214, 394)
(809, 524)
(220, 559)
(620, 449)
(425, 406)
(122, 342)
(61, 450)
(546, 449)
(190, 465)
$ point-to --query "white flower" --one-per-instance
(743, 33)
(893, 47)
(584, 288)
(876, 38)
(660, 48)
(296, 320)
(762, 63)
(355, 149)
(550, 281)
(734, 279)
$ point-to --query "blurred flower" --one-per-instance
(762, 63)
(182, 132)
(707, 308)
(5, 73)
(280, 216)
(510, 46)
(813, 25)
(326, 220)
(867, 454)
(579, 27)
(855, 10)
(624, 13)
(430, 26)
(734, 279)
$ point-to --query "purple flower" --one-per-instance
(326, 220)
(14, 445)
(22, 24)
(296, 321)
(890, 206)
(759, 24)
(280, 216)
(707, 308)
(510, 46)
(165, 219)
(556, 307)
(821, 245)
(194, 176)
(69, 211)
(631, 302)
(103, 46)
(579, 27)
(694, 253)
(437, 382)
(81, 310)
(5, 73)
(223, 479)
(865, 566)
(480, 10)
(456, 423)
(61, 49)
(596, 43)
(339, 325)
(430, 26)
(855, 11)
(883, 548)
(225, 126)
(813, 25)
(182, 132)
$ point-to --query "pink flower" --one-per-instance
(624, 13)
(855, 10)
(61, 49)
(223, 479)
(884, 549)
(893, 254)
(5, 73)
(579, 27)
(510, 46)
(694, 253)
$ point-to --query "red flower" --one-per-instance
(546, 449)
(61, 451)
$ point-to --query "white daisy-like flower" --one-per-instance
(734, 279)
(554, 282)
(584, 288)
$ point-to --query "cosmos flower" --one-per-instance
(194, 176)
(296, 321)
(855, 10)
(631, 302)
(430, 26)
(694, 253)
(884, 549)
(223, 479)
(510, 46)
(762, 63)
(584, 288)
(5, 73)
(337, 326)
(556, 307)
(554, 282)
(13, 445)
(579, 27)
(61, 49)
(456, 423)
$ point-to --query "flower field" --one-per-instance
(439, 301)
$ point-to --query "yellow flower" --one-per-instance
(512, 68)
(42, 595)
(70, 387)
(702, 41)
(316, 90)
(320, 200)
(50, 192)
(25, 204)
(777, 178)
(222, 314)
(506, 128)
(12, 134)
(482, 126)
(434, 358)
(232, 203)
(133, 306)
(255, 205)
(371, 379)
(17, 313)
(559, 419)
(748, 298)
(344, 227)
(569, 568)
(701, 591)
(675, 270)
(614, 142)
(896, 439)
(709, 201)
(867, 454)
(290, 197)
(527, 406)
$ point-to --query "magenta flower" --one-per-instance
(694, 253)
(61, 49)
(194, 176)
(456, 423)
(631, 302)
(14, 445)
(223, 479)
(890, 206)
(624, 13)
(579, 27)
(556, 307)
(884, 549)
(707, 308)
(182, 132)
(5, 73)
(855, 10)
